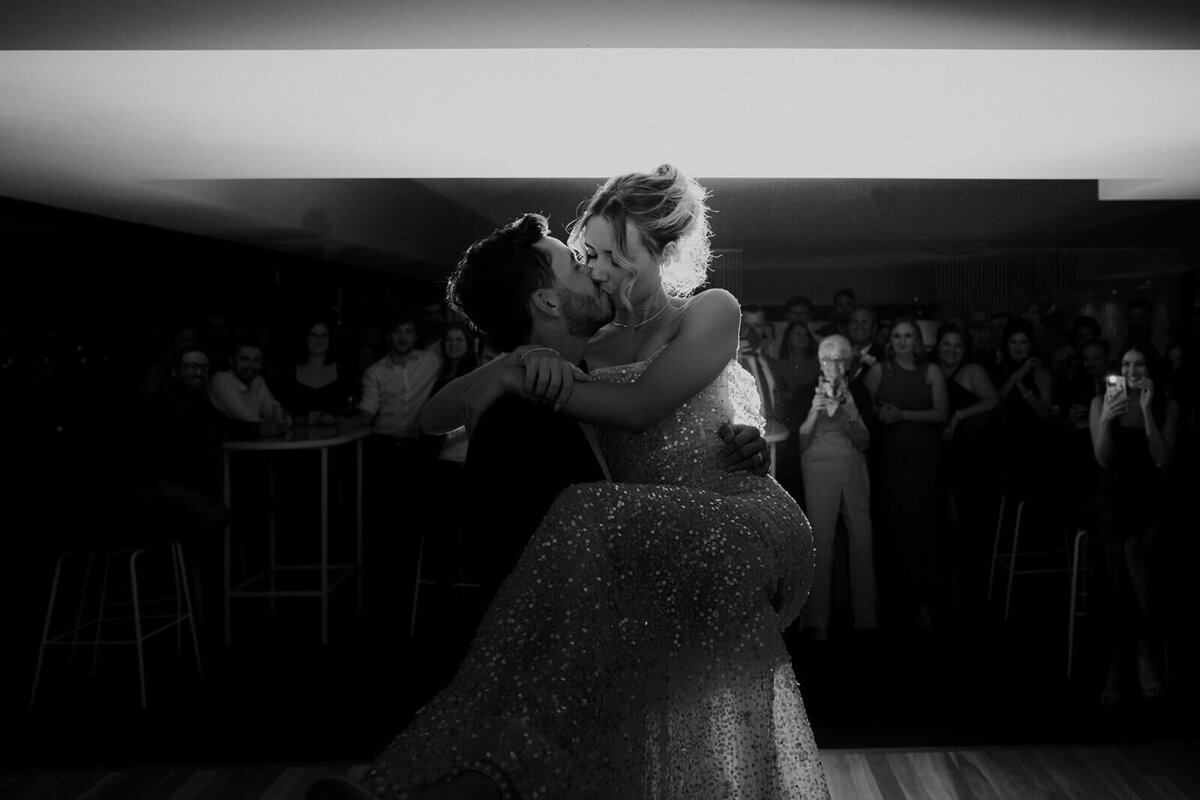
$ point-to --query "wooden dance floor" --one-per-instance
(1123, 772)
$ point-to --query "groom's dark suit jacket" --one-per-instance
(521, 456)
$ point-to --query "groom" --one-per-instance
(524, 287)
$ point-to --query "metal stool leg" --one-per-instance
(100, 612)
(1079, 538)
(177, 551)
(37, 671)
(1012, 562)
(175, 567)
(996, 546)
(87, 579)
(412, 625)
(137, 624)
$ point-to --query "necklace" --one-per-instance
(646, 321)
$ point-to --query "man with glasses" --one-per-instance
(181, 461)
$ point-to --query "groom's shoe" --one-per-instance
(337, 787)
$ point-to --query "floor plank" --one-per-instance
(1073, 776)
(849, 777)
(1128, 772)
(969, 782)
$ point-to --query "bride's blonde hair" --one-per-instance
(666, 207)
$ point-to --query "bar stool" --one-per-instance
(1047, 562)
(90, 632)
(1080, 571)
(1079, 592)
(421, 580)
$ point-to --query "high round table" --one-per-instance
(322, 439)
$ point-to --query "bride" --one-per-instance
(636, 650)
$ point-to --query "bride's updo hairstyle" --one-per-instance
(665, 206)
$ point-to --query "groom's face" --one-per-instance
(586, 309)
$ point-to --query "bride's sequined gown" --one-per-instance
(636, 649)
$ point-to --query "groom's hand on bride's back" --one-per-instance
(744, 449)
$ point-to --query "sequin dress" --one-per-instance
(636, 649)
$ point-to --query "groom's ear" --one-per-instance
(545, 301)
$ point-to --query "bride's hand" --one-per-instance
(550, 379)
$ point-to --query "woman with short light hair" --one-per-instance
(836, 484)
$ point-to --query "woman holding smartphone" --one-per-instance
(1133, 437)
(832, 439)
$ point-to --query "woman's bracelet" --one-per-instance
(526, 354)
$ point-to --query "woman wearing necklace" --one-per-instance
(636, 649)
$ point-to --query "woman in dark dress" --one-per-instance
(1026, 403)
(909, 393)
(796, 372)
(968, 465)
(317, 393)
(1133, 428)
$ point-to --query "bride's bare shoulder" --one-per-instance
(713, 304)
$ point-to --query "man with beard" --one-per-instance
(241, 393)
(524, 287)
(843, 303)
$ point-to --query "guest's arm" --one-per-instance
(1041, 397)
(807, 428)
(936, 415)
(856, 427)
(874, 376)
(1104, 410)
(1161, 442)
(981, 385)
(226, 397)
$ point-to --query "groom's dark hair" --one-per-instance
(493, 280)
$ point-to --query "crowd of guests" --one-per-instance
(904, 435)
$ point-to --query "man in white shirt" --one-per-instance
(241, 393)
(398, 460)
(395, 387)
(751, 357)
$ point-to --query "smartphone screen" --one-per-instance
(1115, 386)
